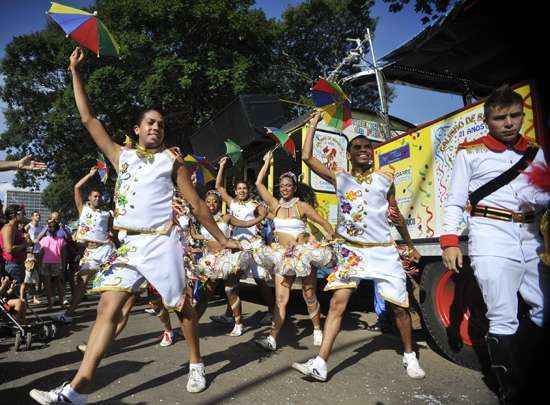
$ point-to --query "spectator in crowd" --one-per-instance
(33, 230)
(53, 261)
(13, 304)
(14, 246)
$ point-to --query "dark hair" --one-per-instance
(94, 190)
(239, 181)
(35, 212)
(12, 210)
(348, 146)
(502, 96)
(141, 115)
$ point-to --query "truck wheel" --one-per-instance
(453, 312)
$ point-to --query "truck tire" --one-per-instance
(453, 312)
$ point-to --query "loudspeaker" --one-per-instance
(237, 121)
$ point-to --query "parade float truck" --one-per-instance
(450, 304)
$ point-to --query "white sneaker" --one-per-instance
(317, 337)
(150, 311)
(82, 347)
(237, 330)
(167, 338)
(66, 301)
(267, 343)
(308, 368)
(57, 396)
(410, 362)
(64, 317)
(196, 381)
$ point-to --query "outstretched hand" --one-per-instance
(223, 161)
(268, 156)
(76, 58)
(232, 244)
(93, 170)
(28, 164)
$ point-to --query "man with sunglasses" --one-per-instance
(503, 238)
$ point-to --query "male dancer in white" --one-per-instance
(150, 245)
(367, 250)
(94, 230)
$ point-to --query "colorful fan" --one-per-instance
(283, 139)
(233, 150)
(333, 103)
(85, 28)
(102, 168)
(201, 167)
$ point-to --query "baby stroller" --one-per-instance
(36, 329)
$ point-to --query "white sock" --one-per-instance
(320, 363)
(411, 355)
(199, 366)
(271, 340)
(70, 393)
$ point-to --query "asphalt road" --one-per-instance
(364, 369)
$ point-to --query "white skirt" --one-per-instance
(296, 260)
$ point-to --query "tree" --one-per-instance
(189, 58)
(431, 9)
(313, 41)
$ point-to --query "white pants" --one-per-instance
(500, 279)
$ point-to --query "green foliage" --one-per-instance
(189, 58)
(430, 9)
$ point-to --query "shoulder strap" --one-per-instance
(504, 178)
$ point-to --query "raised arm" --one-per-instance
(262, 190)
(219, 182)
(22, 164)
(92, 124)
(307, 153)
(199, 208)
(314, 216)
(78, 200)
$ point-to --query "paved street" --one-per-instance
(365, 368)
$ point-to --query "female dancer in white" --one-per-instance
(219, 263)
(293, 253)
(242, 207)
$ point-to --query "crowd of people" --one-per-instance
(163, 235)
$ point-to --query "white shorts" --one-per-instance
(94, 258)
(154, 258)
(500, 279)
(379, 263)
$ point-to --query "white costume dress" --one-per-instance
(151, 247)
(245, 212)
(296, 260)
(93, 230)
(367, 250)
(224, 263)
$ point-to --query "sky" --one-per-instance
(18, 17)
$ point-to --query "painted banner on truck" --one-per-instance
(423, 161)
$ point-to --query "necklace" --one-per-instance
(147, 153)
(288, 204)
(364, 177)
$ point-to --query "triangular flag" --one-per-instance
(279, 136)
(102, 168)
(233, 150)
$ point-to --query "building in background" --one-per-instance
(32, 200)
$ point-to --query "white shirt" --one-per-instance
(245, 212)
(476, 164)
(144, 191)
(93, 225)
(363, 206)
